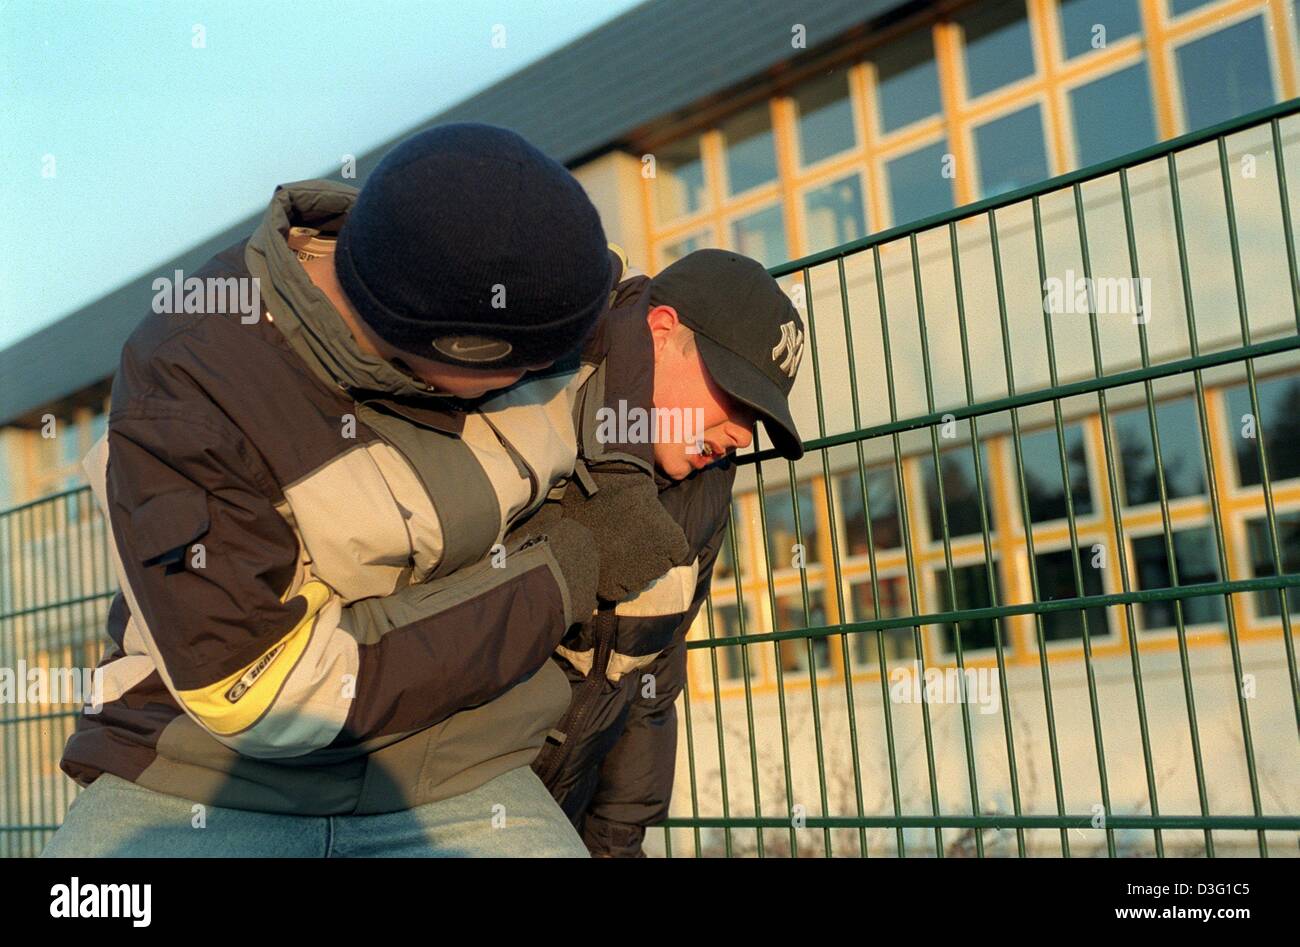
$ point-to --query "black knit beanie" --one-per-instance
(469, 246)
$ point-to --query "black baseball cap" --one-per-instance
(747, 330)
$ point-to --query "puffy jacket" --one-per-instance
(611, 759)
(308, 622)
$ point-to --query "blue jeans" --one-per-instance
(510, 816)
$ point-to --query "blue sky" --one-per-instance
(157, 144)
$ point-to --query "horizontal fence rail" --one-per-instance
(1029, 592)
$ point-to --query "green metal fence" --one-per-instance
(1132, 717)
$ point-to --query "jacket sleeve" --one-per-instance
(635, 784)
(267, 659)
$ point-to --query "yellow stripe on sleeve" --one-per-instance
(237, 702)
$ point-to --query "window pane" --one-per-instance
(726, 624)
(1225, 74)
(834, 213)
(972, 584)
(1080, 19)
(1042, 458)
(920, 183)
(761, 235)
(1056, 581)
(723, 566)
(1194, 555)
(1179, 7)
(907, 81)
(958, 492)
(1268, 603)
(679, 178)
(998, 47)
(894, 602)
(1101, 131)
(1011, 152)
(789, 617)
(1278, 424)
(882, 497)
(780, 526)
(750, 155)
(672, 252)
(1180, 451)
(825, 117)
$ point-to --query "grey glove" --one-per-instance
(637, 539)
(574, 549)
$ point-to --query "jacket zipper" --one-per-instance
(590, 691)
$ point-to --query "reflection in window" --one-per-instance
(1225, 74)
(750, 154)
(1042, 458)
(761, 235)
(1194, 557)
(894, 602)
(1011, 152)
(790, 617)
(998, 46)
(1056, 581)
(1268, 602)
(1180, 452)
(963, 504)
(920, 183)
(1102, 131)
(1080, 19)
(825, 116)
(907, 81)
(834, 213)
(672, 252)
(726, 624)
(882, 497)
(1278, 426)
(679, 178)
(780, 526)
(972, 584)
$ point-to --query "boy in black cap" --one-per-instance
(712, 338)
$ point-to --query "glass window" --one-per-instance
(1011, 152)
(1080, 20)
(723, 566)
(1056, 581)
(1195, 556)
(1180, 452)
(958, 492)
(1225, 74)
(1101, 131)
(761, 235)
(1179, 7)
(894, 602)
(679, 178)
(790, 617)
(749, 148)
(998, 46)
(1268, 603)
(882, 497)
(1278, 425)
(98, 425)
(780, 526)
(726, 624)
(672, 252)
(972, 584)
(834, 213)
(1042, 458)
(920, 183)
(907, 81)
(825, 117)
(69, 441)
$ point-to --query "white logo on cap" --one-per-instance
(789, 351)
(473, 348)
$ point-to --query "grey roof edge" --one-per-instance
(625, 76)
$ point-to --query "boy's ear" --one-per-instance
(662, 320)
